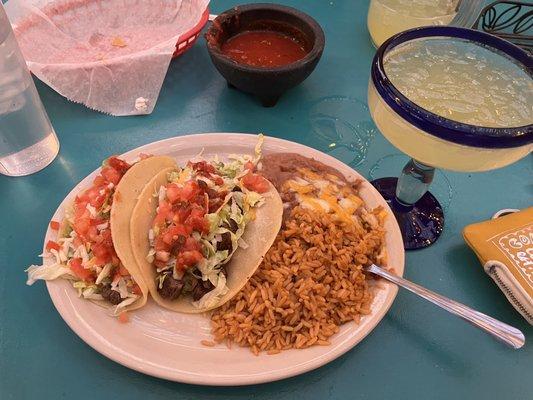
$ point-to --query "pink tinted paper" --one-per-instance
(111, 55)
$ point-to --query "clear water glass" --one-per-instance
(28, 142)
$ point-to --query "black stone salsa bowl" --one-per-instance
(268, 84)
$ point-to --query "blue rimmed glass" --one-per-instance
(439, 140)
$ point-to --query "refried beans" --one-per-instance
(279, 168)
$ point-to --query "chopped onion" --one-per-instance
(162, 193)
(91, 210)
(104, 273)
(103, 226)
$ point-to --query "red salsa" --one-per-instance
(263, 49)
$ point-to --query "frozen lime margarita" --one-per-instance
(388, 17)
(450, 98)
(461, 81)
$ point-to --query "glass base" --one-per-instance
(31, 159)
(421, 224)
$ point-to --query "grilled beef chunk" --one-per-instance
(202, 185)
(231, 225)
(110, 295)
(201, 288)
(215, 204)
(171, 288)
(212, 193)
(225, 243)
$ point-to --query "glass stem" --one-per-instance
(413, 183)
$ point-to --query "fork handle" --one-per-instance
(499, 330)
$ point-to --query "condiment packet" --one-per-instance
(111, 55)
(504, 245)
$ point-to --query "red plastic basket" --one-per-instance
(190, 37)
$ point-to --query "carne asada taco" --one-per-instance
(199, 232)
(92, 248)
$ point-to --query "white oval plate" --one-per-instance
(166, 344)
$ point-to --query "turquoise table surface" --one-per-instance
(417, 352)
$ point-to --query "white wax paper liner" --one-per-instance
(111, 55)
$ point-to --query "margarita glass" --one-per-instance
(450, 98)
(389, 17)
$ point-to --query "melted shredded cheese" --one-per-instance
(325, 193)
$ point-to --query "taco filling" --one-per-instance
(202, 213)
(84, 251)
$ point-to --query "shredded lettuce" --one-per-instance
(150, 256)
(198, 157)
(211, 298)
(173, 176)
(209, 266)
(180, 176)
(162, 194)
(214, 221)
(91, 210)
(258, 148)
(90, 293)
(230, 169)
(66, 228)
(124, 303)
(81, 252)
(236, 213)
(80, 285)
(209, 248)
(151, 237)
(47, 272)
(106, 206)
(168, 266)
(254, 199)
(161, 279)
(104, 273)
(122, 288)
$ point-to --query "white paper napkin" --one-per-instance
(111, 55)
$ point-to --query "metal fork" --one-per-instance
(499, 330)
